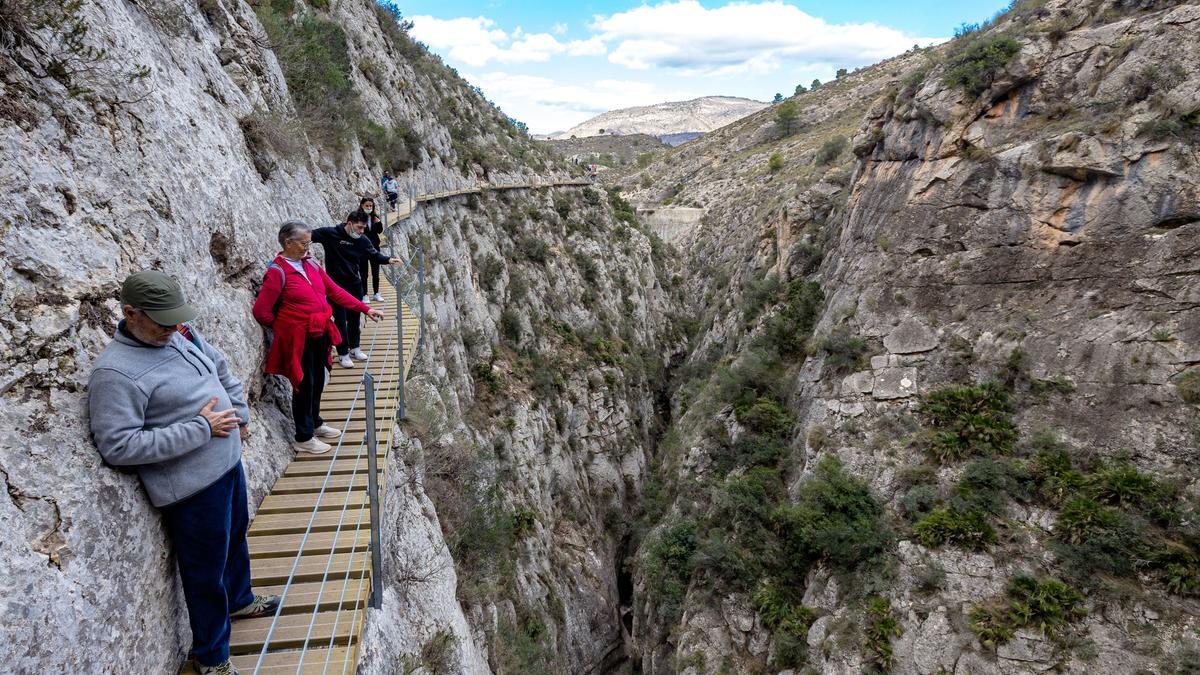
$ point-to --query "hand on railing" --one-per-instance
(375, 315)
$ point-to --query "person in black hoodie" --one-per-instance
(369, 267)
(346, 247)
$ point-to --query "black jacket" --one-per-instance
(374, 229)
(343, 252)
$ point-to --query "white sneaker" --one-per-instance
(326, 431)
(378, 297)
(312, 446)
(358, 354)
(345, 361)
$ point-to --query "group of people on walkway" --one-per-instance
(164, 402)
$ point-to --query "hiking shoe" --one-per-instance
(378, 297)
(326, 431)
(226, 668)
(312, 446)
(261, 605)
(358, 354)
(345, 361)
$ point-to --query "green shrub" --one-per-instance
(749, 450)
(765, 416)
(1052, 471)
(1178, 567)
(965, 529)
(882, 626)
(1046, 604)
(775, 162)
(788, 330)
(757, 294)
(315, 57)
(1122, 485)
(969, 420)
(489, 271)
(987, 484)
(534, 249)
(510, 325)
(782, 612)
(843, 351)
(562, 205)
(919, 501)
(483, 373)
(669, 562)
(835, 519)
(1188, 386)
(974, 65)
(830, 150)
(1092, 538)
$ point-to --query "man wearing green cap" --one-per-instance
(163, 400)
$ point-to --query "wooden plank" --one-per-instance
(296, 485)
(348, 451)
(342, 465)
(248, 634)
(305, 503)
(341, 593)
(275, 571)
(315, 662)
(266, 524)
(355, 535)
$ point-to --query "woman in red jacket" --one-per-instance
(294, 303)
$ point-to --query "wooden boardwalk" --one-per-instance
(326, 603)
(405, 207)
(321, 500)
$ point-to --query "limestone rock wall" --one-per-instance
(153, 169)
(1046, 218)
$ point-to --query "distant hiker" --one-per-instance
(163, 400)
(295, 303)
(369, 267)
(390, 188)
(345, 246)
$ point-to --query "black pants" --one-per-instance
(347, 320)
(306, 402)
(365, 266)
(208, 532)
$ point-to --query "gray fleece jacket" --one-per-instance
(145, 402)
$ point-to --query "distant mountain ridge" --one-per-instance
(673, 119)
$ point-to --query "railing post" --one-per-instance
(421, 295)
(403, 410)
(376, 598)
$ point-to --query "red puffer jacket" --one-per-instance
(297, 309)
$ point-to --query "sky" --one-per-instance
(553, 65)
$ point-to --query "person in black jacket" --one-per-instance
(369, 267)
(345, 247)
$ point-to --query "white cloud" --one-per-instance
(473, 41)
(559, 29)
(741, 37)
(476, 41)
(547, 105)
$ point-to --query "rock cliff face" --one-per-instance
(179, 135)
(1027, 231)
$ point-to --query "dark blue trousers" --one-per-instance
(208, 531)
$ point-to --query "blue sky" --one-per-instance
(553, 65)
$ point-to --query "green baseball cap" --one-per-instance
(159, 296)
